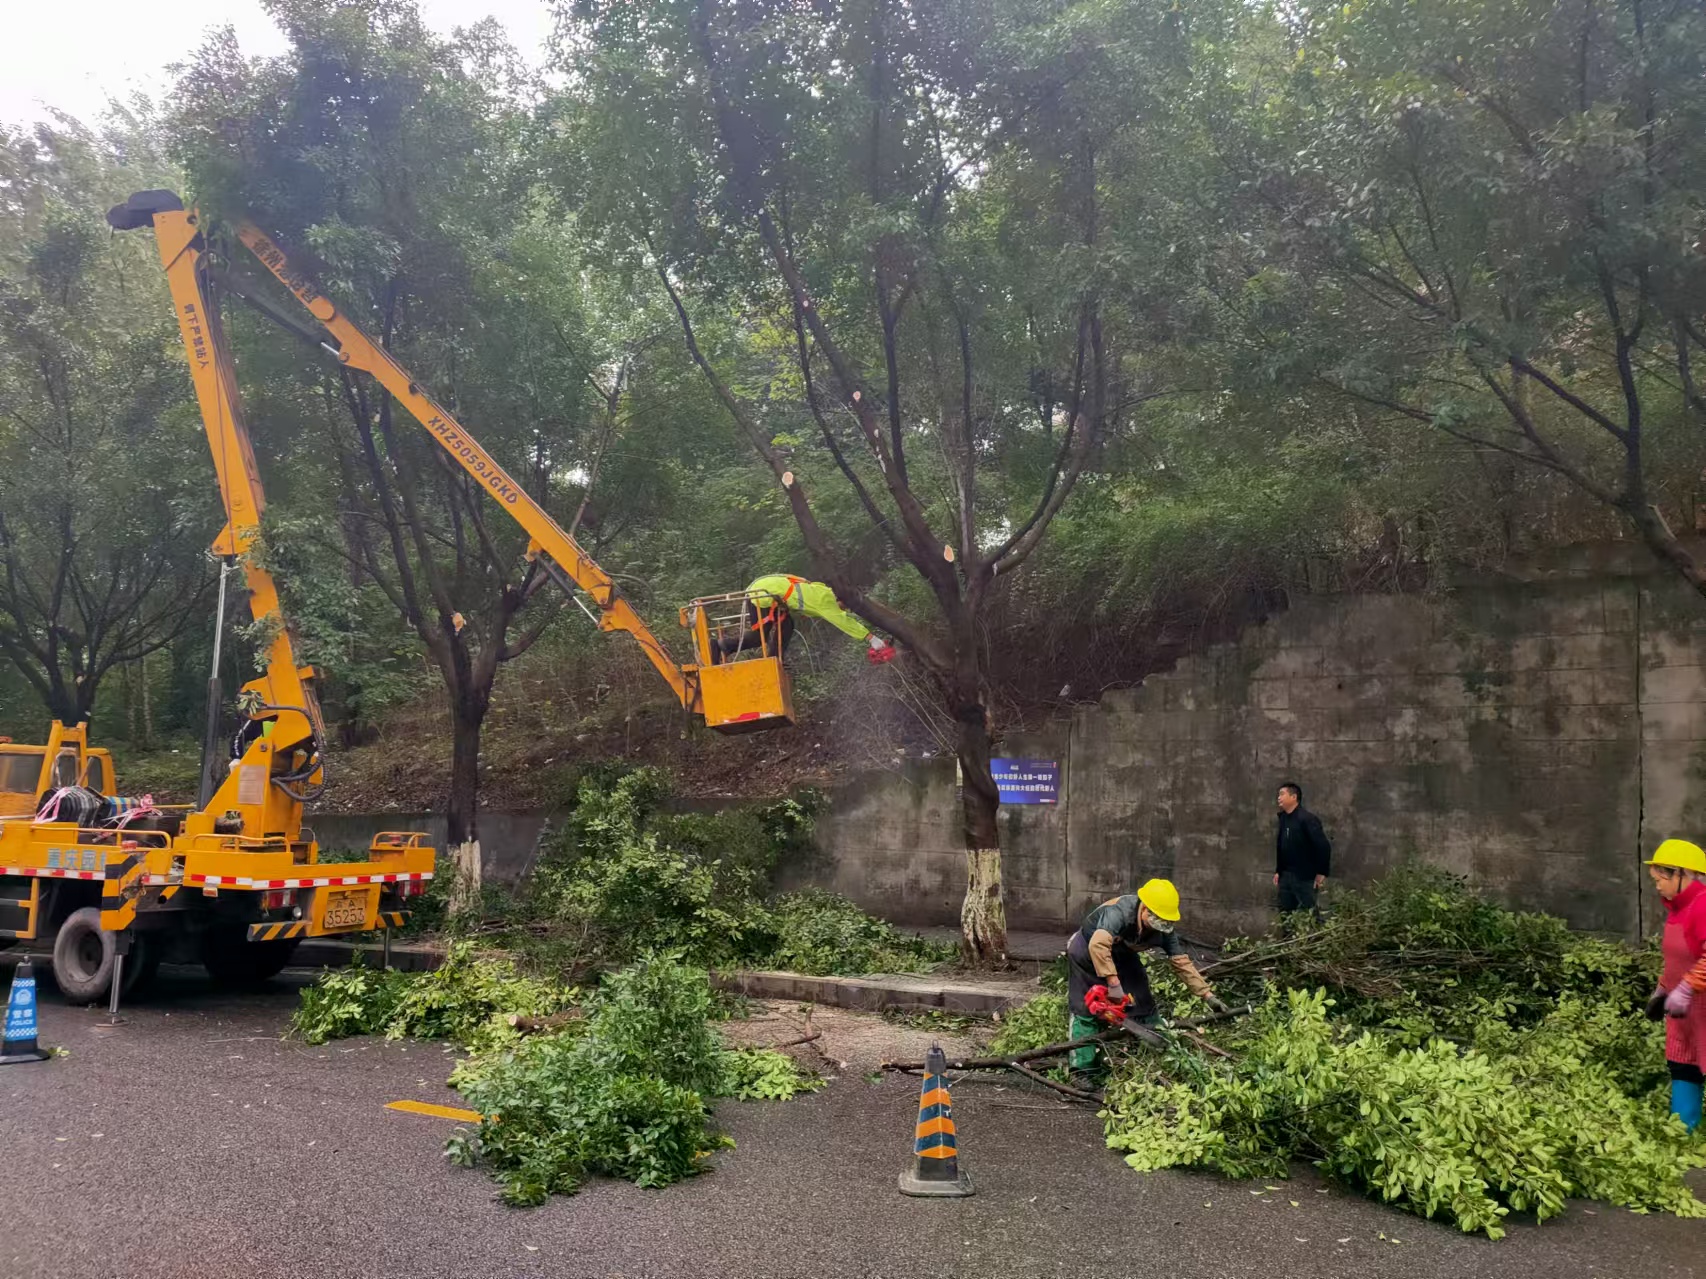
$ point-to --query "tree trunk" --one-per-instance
(127, 676)
(86, 699)
(147, 708)
(1656, 532)
(461, 816)
(983, 914)
(62, 705)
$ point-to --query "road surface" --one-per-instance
(193, 1140)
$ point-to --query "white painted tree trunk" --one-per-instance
(983, 914)
(465, 863)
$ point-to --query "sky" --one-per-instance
(74, 54)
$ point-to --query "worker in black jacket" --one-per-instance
(1302, 852)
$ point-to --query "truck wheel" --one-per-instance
(232, 960)
(83, 956)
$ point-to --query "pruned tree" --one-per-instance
(881, 228)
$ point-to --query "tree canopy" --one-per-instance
(1051, 333)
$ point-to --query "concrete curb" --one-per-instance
(405, 957)
(866, 993)
(876, 992)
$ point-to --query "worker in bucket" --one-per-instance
(771, 605)
(1678, 869)
(1106, 983)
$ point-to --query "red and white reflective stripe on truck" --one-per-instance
(326, 881)
(221, 881)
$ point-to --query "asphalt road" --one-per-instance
(193, 1141)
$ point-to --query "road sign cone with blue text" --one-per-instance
(935, 1173)
(20, 1041)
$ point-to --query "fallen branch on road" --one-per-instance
(1150, 1037)
(1438, 1052)
(1077, 1094)
(1067, 1045)
(544, 1025)
(1004, 1063)
(801, 1039)
(1214, 1050)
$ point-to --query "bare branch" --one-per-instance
(1086, 435)
(877, 515)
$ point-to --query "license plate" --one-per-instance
(346, 910)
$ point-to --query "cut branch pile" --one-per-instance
(1429, 1048)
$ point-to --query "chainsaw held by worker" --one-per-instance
(1104, 1007)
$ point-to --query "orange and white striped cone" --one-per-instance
(935, 1173)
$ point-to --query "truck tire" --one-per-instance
(83, 954)
(232, 960)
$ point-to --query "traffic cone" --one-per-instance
(935, 1173)
(20, 1041)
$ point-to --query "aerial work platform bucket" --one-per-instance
(746, 691)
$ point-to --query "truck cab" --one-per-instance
(29, 772)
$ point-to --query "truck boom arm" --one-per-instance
(284, 693)
(550, 545)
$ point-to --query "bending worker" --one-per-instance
(1678, 869)
(1103, 952)
(770, 607)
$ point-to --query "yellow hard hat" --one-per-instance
(1162, 899)
(1681, 855)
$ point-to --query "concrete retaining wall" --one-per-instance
(1534, 735)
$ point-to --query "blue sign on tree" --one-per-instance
(1027, 781)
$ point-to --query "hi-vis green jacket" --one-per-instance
(809, 599)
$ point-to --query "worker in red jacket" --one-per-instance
(1678, 869)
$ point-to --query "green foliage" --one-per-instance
(106, 498)
(346, 1001)
(1519, 186)
(638, 880)
(169, 773)
(763, 1074)
(1043, 1020)
(1053, 979)
(1422, 953)
(818, 932)
(1456, 1059)
(553, 1118)
(622, 1091)
(626, 1094)
(1513, 1122)
(463, 1001)
(628, 876)
(654, 1018)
